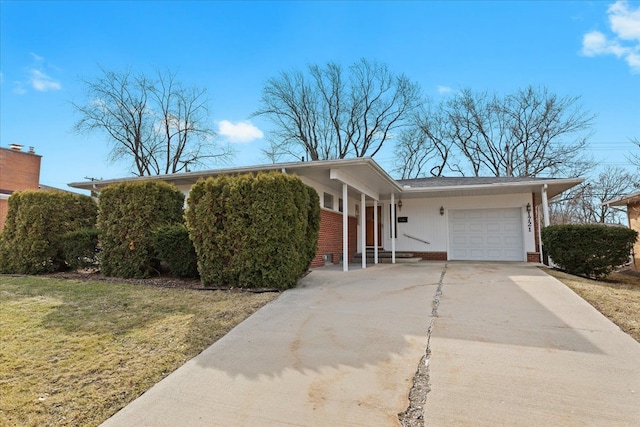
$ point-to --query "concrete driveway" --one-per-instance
(509, 345)
(339, 350)
(513, 346)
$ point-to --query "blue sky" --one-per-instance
(591, 49)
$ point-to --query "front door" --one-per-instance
(370, 225)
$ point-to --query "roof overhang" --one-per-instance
(362, 175)
(370, 177)
(624, 200)
(553, 186)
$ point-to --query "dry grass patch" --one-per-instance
(617, 297)
(74, 353)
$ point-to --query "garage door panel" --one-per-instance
(475, 227)
(486, 234)
(494, 240)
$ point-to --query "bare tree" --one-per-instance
(634, 158)
(157, 124)
(583, 204)
(531, 132)
(329, 114)
(423, 148)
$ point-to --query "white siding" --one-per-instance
(425, 222)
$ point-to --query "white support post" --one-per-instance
(363, 231)
(393, 228)
(545, 206)
(545, 215)
(345, 228)
(375, 231)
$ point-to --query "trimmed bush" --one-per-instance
(80, 248)
(128, 215)
(253, 230)
(592, 250)
(32, 239)
(174, 247)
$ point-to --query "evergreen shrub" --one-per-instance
(174, 247)
(80, 248)
(128, 215)
(591, 250)
(32, 238)
(253, 230)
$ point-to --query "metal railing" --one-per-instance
(416, 238)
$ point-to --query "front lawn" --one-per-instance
(617, 297)
(75, 352)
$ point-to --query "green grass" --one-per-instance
(74, 353)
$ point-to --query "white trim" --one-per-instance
(375, 231)
(363, 231)
(345, 230)
(344, 177)
(392, 214)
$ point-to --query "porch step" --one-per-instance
(385, 257)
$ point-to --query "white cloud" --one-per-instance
(37, 57)
(42, 82)
(625, 41)
(243, 131)
(444, 89)
(625, 22)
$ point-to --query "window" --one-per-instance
(328, 201)
(340, 205)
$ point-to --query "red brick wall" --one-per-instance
(19, 170)
(330, 237)
(533, 256)
(431, 256)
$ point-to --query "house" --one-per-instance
(19, 170)
(363, 208)
(632, 202)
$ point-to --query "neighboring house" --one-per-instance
(632, 202)
(485, 219)
(19, 170)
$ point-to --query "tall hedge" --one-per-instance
(253, 230)
(592, 250)
(128, 215)
(175, 248)
(31, 240)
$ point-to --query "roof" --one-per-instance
(376, 180)
(484, 186)
(624, 200)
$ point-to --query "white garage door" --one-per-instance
(486, 235)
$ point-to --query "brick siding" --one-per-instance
(330, 237)
(19, 170)
(533, 256)
(431, 256)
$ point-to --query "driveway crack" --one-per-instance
(413, 416)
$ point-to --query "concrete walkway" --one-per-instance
(339, 350)
(512, 346)
(509, 345)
